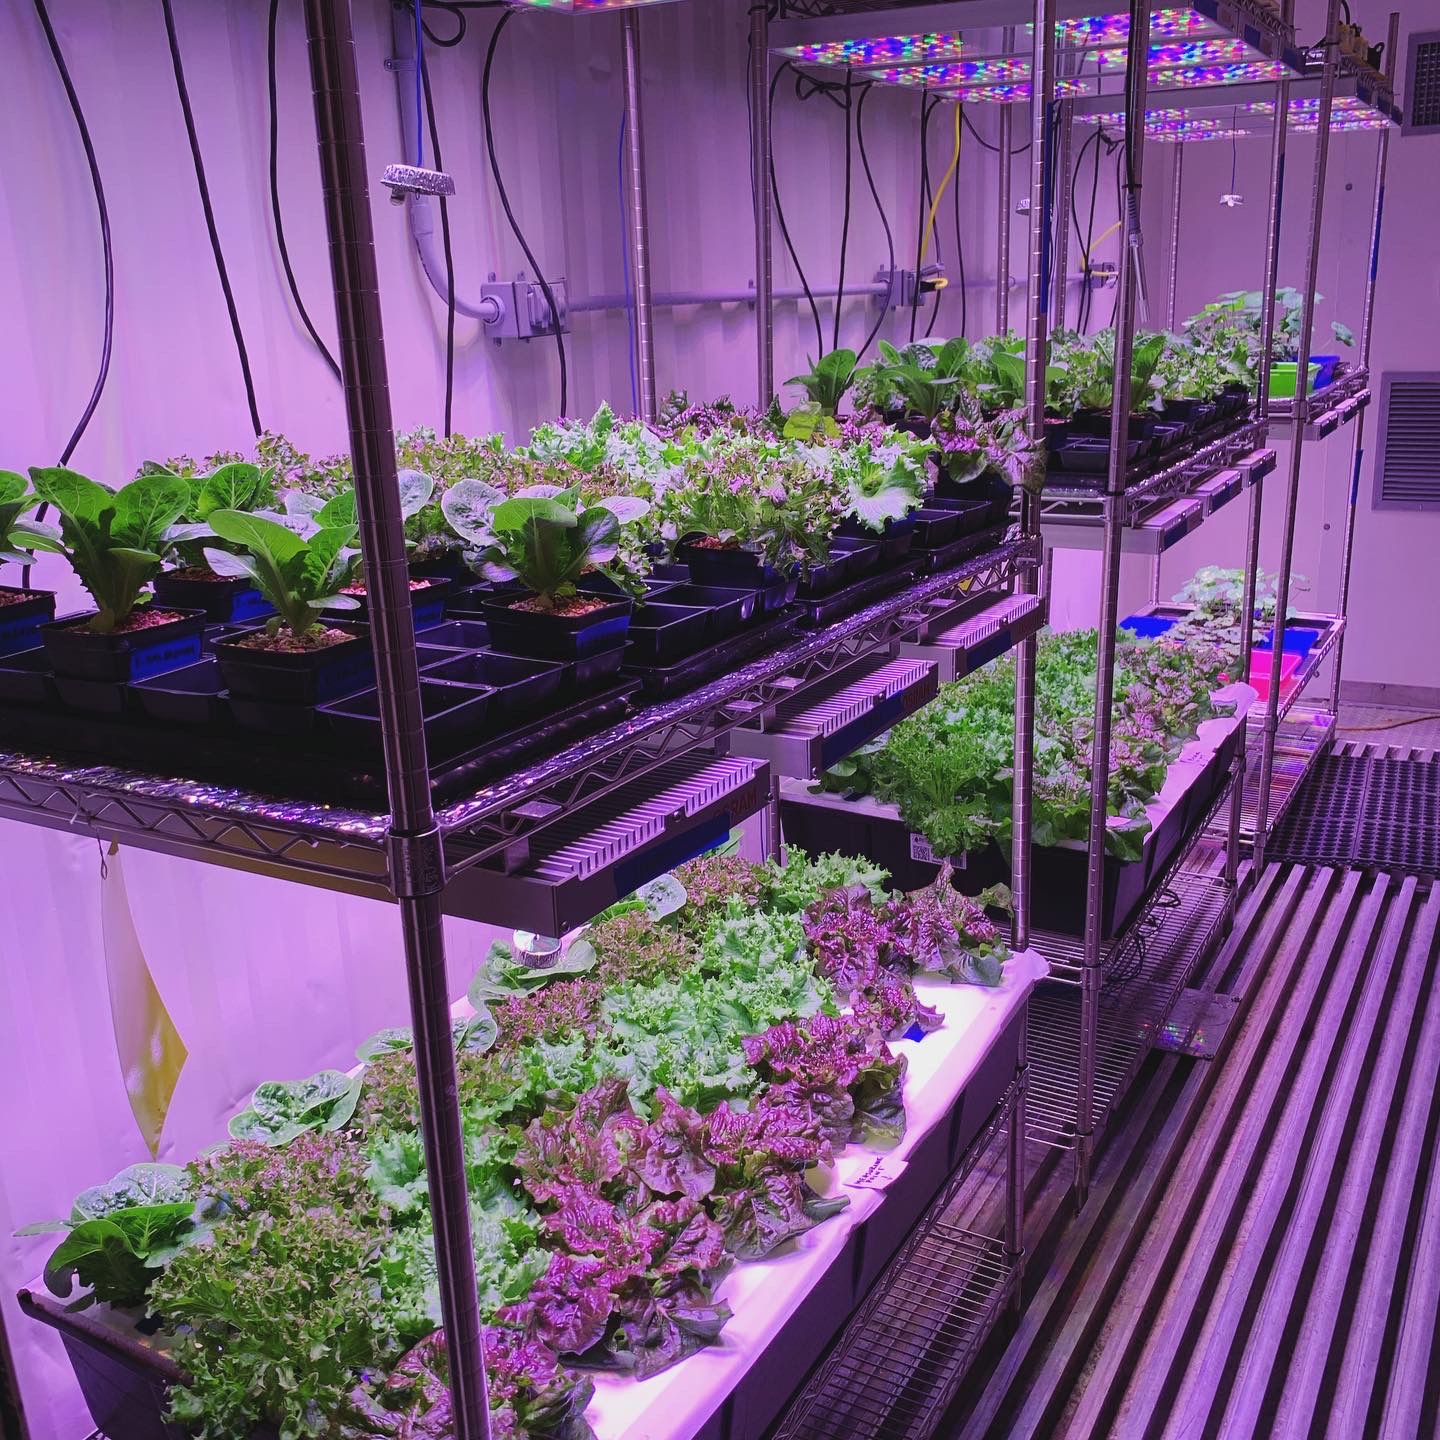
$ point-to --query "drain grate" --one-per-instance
(1366, 809)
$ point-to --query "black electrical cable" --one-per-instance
(925, 112)
(449, 255)
(519, 234)
(934, 227)
(98, 187)
(980, 139)
(209, 210)
(1121, 200)
(275, 198)
(785, 229)
(879, 210)
(845, 222)
(445, 42)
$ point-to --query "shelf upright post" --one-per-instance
(1367, 318)
(416, 856)
(1127, 279)
(1002, 215)
(1301, 411)
(760, 185)
(1060, 290)
(1269, 281)
(639, 226)
(1037, 336)
(1172, 283)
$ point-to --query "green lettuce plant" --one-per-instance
(828, 380)
(19, 537)
(548, 541)
(114, 539)
(299, 577)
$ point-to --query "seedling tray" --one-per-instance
(955, 551)
(185, 723)
(825, 608)
(662, 681)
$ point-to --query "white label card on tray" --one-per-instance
(879, 1174)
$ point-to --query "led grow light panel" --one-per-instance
(992, 70)
(1189, 76)
(934, 48)
(1091, 31)
(1013, 94)
(1226, 51)
(1186, 131)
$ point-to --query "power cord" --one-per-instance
(209, 210)
(434, 129)
(780, 219)
(275, 199)
(960, 251)
(98, 187)
(930, 231)
(519, 234)
(926, 108)
(879, 210)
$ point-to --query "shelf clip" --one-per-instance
(417, 863)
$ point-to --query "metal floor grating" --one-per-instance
(1138, 990)
(1366, 807)
(1260, 1255)
(904, 1354)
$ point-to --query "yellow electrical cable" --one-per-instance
(939, 194)
(1109, 230)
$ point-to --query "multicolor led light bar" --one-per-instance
(1188, 130)
(1095, 30)
(1012, 94)
(995, 70)
(1226, 51)
(1186, 77)
(886, 50)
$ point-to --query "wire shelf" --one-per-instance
(1141, 981)
(906, 1350)
(1328, 410)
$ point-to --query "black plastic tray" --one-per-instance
(824, 608)
(662, 681)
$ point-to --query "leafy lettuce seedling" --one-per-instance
(300, 578)
(19, 537)
(113, 539)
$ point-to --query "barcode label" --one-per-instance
(920, 849)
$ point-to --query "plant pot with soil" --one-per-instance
(428, 594)
(549, 542)
(22, 610)
(224, 599)
(299, 657)
(114, 541)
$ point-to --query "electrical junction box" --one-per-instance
(522, 311)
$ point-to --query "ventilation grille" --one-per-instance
(1407, 470)
(1422, 90)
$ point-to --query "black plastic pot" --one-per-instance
(299, 678)
(458, 635)
(129, 655)
(1092, 456)
(193, 695)
(730, 608)
(454, 716)
(661, 633)
(586, 672)
(226, 600)
(520, 687)
(276, 717)
(935, 527)
(99, 697)
(25, 677)
(822, 579)
(427, 601)
(20, 620)
(864, 553)
(736, 569)
(449, 564)
(991, 488)
(894, 540)
(971, 516)
(547, 635)
(1097, 423)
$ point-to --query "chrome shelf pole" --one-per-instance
(1002, 213)
(1064, 160)
(1129, 282)
(1301, 413)
(1367, 322)
(1037, 340)
(760, 186)
(1172, 283)
(1269, 282)
(639, 227)
(415, 853)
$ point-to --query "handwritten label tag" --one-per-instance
(878, 1174)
